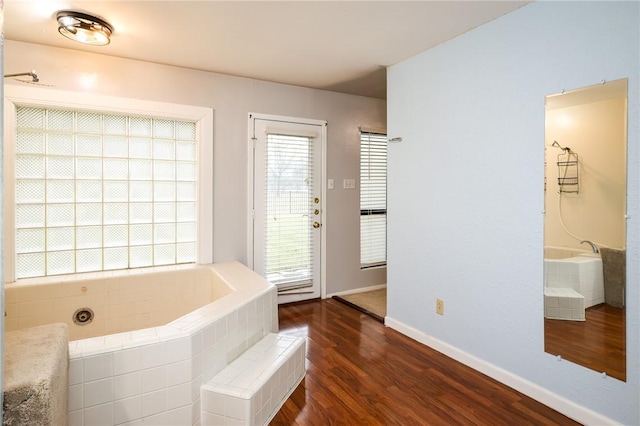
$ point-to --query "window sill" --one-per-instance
(99, 274)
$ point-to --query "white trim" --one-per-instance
(36, 96)
(8, 191)
(40, 97)
(568, 408)
(323, 217)
(323, 188)
(288, 132)
(250, 189)
(357, 290)
(287, 119)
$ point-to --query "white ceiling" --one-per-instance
(344, 46)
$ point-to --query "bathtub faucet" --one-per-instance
(593, 246)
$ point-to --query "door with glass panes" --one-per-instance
(287, 204)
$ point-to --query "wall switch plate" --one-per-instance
(330, 184)
(349, 184)
(439, 307)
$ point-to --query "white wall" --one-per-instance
(466, 198)
(232, 98)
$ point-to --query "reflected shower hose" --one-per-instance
(562, 220)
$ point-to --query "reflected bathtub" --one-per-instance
(577, 270)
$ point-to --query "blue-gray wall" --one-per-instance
(466, 192)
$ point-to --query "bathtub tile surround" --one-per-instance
(554, 252)
(123, 300)
(251, 390)
(154, 375)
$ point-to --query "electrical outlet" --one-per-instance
(439, 307)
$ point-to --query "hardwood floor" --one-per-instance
(599, 343)
(360, 372)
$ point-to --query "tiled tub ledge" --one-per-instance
(153, 376)
(251, 390)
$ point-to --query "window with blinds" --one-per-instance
(100, 192)
(373, 199)
(289, 251)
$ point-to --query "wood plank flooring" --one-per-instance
(599, 343)
(360, 372)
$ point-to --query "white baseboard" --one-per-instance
(357, 290)
(568, 408)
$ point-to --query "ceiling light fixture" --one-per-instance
(84, 28)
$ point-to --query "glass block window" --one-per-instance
(99, 192)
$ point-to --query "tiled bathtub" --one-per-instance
(153, 375)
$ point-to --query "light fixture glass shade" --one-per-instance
(84, 28)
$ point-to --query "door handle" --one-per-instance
(316, 225)
(316, 212)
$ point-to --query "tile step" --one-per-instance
(251, 389)
(563, 304)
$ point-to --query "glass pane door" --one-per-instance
(287, 208)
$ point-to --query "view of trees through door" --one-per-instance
(287, 215)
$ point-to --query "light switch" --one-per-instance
(330, 183)
(349, 184)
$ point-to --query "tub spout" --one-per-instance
(593, 246)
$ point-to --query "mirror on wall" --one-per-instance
(585, 226)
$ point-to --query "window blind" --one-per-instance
(288, 245)
(373, 199)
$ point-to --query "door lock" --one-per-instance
(316, 212)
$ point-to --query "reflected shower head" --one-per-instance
(556, 144)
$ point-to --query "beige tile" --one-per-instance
(33, 308)
(10, 324)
